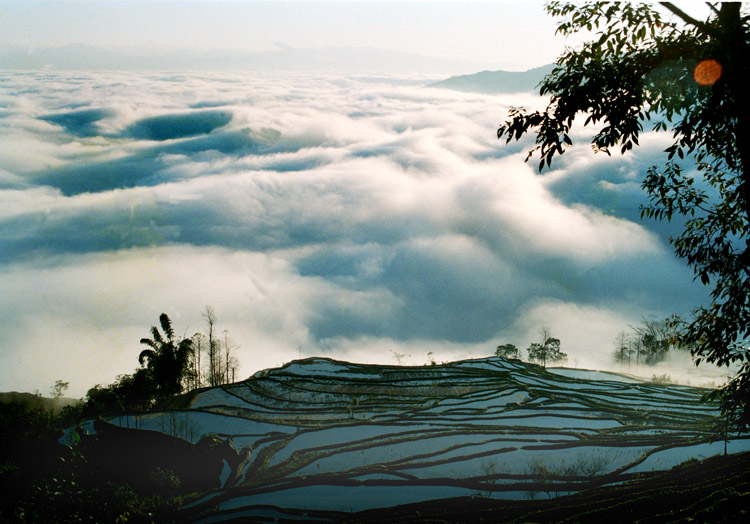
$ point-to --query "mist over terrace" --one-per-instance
(333, 214)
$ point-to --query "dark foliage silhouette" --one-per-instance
(167, 359)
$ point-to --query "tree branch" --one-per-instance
(712, 7)
(687, 18)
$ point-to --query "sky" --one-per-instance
(479, 32)
(349, 214)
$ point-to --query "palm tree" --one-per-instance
(167, 359)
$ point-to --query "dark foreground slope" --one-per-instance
(715, 490)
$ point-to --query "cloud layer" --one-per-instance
(347, 216)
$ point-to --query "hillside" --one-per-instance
(496, 82)
(322, 435)
(32, 402)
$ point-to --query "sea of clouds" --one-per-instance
(336, 215)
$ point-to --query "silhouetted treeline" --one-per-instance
(169, 366)
(547, 351)
(213, 362)
(648, 343)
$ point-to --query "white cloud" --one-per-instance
(341, 215)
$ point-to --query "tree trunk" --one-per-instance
(736, 51)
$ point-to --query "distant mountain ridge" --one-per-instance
(355, 59)
(496, 82)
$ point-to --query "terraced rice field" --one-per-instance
(325, 437)
(715, 490)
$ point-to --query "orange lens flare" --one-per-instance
(707, 72)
